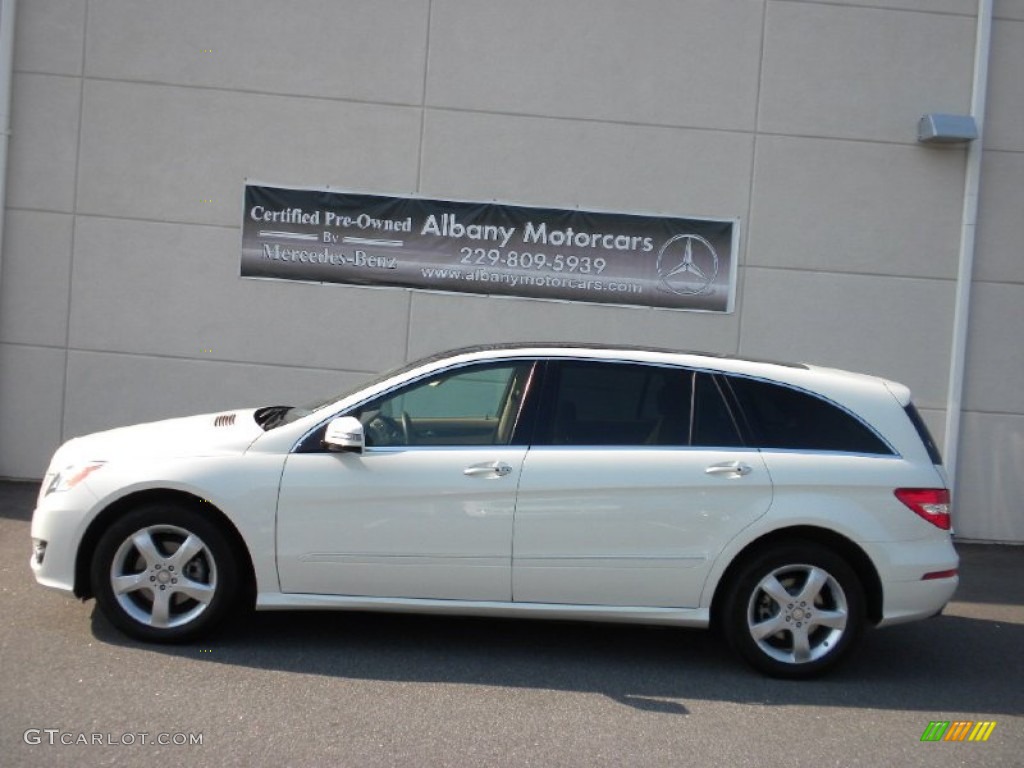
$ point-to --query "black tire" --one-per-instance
(794, 610)
(163, 594)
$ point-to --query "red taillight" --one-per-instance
(930, 503)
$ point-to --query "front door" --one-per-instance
(426, 511)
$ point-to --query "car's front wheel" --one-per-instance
(164, 573)
(794, 611)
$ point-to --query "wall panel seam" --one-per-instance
(848, 273)
(221, 361)
(871, 7)
(65, 385)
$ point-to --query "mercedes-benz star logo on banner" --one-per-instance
(687, 265)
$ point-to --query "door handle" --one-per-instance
(730, 469)
(489, 469)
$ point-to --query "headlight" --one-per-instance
(71, 476)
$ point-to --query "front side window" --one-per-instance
(473, 405)
(590, 403)
(781, 417)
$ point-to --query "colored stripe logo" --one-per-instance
(982, 731)
(958, 730)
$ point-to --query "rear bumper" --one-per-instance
(906, 594)
(912, 600)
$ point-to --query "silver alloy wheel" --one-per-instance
(797, 614)
(163, 576)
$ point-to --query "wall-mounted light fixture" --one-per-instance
(936, 128)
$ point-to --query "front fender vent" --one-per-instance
(224, 420)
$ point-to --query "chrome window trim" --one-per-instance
(648, 448)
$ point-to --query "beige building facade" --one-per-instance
(135, 125)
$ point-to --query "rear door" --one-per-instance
(636, 479)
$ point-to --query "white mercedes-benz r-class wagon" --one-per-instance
(790, 506)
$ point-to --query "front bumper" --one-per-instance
(58, 520)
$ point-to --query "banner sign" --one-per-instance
(488, 248)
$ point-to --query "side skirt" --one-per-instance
(683, 617)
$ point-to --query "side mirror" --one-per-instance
(344, 434)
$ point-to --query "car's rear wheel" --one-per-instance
(164, 573)
(794, 610)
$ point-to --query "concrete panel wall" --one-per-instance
(31, 407)
(191, 149)
(186, 300)
(111, 389)
(691, 64)
(861, 73)
(137, 123)
(893, 327)
(854, 206)
(371, 52)
(36, 271)
(603, 166)
(990, 480)
(44, 142)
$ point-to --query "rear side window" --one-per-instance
(786, 418)
(591, 403)
(924, 434)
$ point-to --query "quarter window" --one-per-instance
(925, 435)
(785, 418)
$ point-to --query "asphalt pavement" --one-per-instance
(361, 689)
